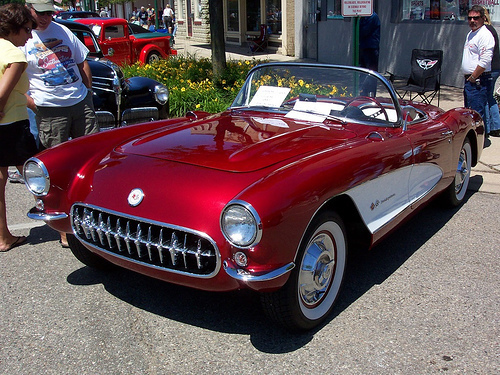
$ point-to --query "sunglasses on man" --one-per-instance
(475, 18)
(42, 14)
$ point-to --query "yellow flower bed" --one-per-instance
(191, 84)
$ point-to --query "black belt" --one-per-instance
(485, 74)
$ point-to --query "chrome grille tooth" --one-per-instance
(160, 246)
(127, 237)
(109, 232)
(145, 242)
(198, 254)
(77, 221)
(184, 251)
(118, 235)
(149, 244)
(86, 223)
(173, 248)
(93, 227)
(138, 241)
(101, 228)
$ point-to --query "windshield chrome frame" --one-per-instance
(394, 97)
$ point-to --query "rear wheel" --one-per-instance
(153, 57)
(86, 256)
(455, 193)
(312, 289)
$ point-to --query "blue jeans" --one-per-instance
(476, 95)
(492, 120)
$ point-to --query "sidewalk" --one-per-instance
(485, 176)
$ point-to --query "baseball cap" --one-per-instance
(42, 5)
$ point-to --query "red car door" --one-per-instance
(115, 43)
(432, 157)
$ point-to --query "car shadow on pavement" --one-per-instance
(240, 312)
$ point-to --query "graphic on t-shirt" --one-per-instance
(54, 59)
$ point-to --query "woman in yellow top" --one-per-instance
(16, 142)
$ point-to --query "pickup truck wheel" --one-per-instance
(310, 293)
(153, 57)
(86, 256)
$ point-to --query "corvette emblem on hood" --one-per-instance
(135, 197)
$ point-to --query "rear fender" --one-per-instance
(147, 49)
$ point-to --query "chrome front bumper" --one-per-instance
(245, 276)
(35, 214)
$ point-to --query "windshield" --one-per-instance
(315, 93)
(89, 39)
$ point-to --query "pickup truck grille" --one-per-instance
(155, 244)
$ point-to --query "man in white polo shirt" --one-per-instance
(476, 61)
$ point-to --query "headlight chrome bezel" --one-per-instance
(43, 188)
(249, 240)
(161, 94)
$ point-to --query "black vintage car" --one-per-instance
(119, 101)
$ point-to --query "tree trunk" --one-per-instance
(217, 37)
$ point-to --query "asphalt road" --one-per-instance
(425, 301)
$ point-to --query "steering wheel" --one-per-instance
(356, 103)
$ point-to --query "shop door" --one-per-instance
(311, 37)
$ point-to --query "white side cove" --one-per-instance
(382, 199)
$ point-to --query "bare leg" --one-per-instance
(6, 238)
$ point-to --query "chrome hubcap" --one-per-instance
(317, 270)
(462, 171)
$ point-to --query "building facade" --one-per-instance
(316, 29)
(327, 36)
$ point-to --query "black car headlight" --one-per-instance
(241, 224)
(36, 177)
(161, 94)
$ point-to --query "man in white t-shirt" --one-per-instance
(476, 61)
(168, 17)
(60, 80)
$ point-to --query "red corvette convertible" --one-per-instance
(310, 162)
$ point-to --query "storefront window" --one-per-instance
(447, 10)
(334, 9)
(232, 16)
(253, 15)
(273, 16)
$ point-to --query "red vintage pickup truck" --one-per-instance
(122, 47)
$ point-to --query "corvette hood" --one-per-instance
(241, 142)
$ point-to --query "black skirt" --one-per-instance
(17, 144)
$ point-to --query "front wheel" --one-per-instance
(86, 256)
(455, 193)
(312, 289)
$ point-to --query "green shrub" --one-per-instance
(191, 84)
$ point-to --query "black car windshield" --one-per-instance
(315, 92)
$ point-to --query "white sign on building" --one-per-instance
(357, 8)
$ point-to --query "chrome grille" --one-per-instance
(152, 243)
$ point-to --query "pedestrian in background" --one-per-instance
(168, 17)
(476, 62)
(143, 16)
(17, 143)
(492, 118)
(60, 81)
(369, 49)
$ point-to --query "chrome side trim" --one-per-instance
(246, 276)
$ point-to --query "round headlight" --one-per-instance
(36, 177)
(161, 94)
(241, 225)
